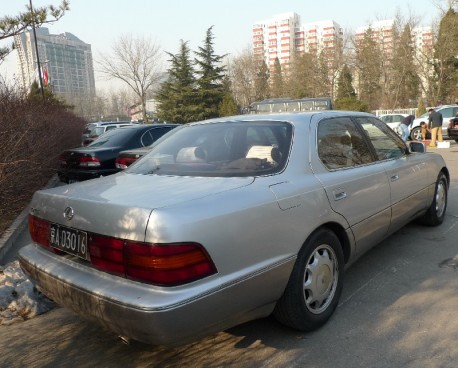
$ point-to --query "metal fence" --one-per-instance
(409, 111)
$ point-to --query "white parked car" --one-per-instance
(393, 121)
(447, 111)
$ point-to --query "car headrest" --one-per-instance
(191, 154)
(270, 153)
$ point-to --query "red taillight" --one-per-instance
(170, 264)
(124, 162)
(160, 264)
(107, 254)
(39, 231)
(164, 264)
(89, 161)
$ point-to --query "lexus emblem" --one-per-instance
(68, 213)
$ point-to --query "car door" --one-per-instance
(406, 172)
(356, 185)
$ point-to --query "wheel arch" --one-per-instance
(341, 234)
(445, 171)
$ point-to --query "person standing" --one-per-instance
(405, 124)
(435, 125)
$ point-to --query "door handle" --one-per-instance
(340, 195)
(394, 177)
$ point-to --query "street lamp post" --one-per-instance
(36, 50)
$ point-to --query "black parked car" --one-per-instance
(98, 158)
(452, 130)
(128, 157)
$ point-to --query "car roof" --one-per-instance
(147, 126)
(103, 123)
(297, 118)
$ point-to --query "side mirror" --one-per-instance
(415, 146)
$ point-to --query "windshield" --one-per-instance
(112, 138)
(220, 149)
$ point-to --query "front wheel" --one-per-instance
(315, 284)
(436, 212)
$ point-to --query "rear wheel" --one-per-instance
(436, 212)
(315, 284)
(415, 134)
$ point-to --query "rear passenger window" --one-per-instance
(341, 144)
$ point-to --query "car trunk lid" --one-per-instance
(120, 205)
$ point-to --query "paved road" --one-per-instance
(398, 309)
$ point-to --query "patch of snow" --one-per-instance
(19, 299)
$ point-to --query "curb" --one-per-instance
(10, 236)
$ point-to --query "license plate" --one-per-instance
(69, 240)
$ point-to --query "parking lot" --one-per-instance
(398, 309)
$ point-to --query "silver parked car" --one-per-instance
(229, 220)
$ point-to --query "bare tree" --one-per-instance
(136, 61)
(242, 73)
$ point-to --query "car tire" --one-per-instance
(315, 284)
(415, 134)
(436, 212)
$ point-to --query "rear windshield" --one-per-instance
(220, 149)
(115, 137)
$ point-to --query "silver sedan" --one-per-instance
(229, 220)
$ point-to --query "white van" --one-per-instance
(93, 130)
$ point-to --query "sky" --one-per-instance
(101, 22)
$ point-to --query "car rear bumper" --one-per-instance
(151, 314)
(452, 133)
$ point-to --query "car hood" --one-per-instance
(120, 205)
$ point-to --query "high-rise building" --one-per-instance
(66, 59)
(283, 36)
(382, 34)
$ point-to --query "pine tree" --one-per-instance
(210, 76)
(445, 90)
(49, 97)
(177, 96)
(299, 84)
(261, 82)
(346, 98)
(402, 84)
(345, 84)
(228, 107)
(14, 25)
(277, 80)
(369, 63)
